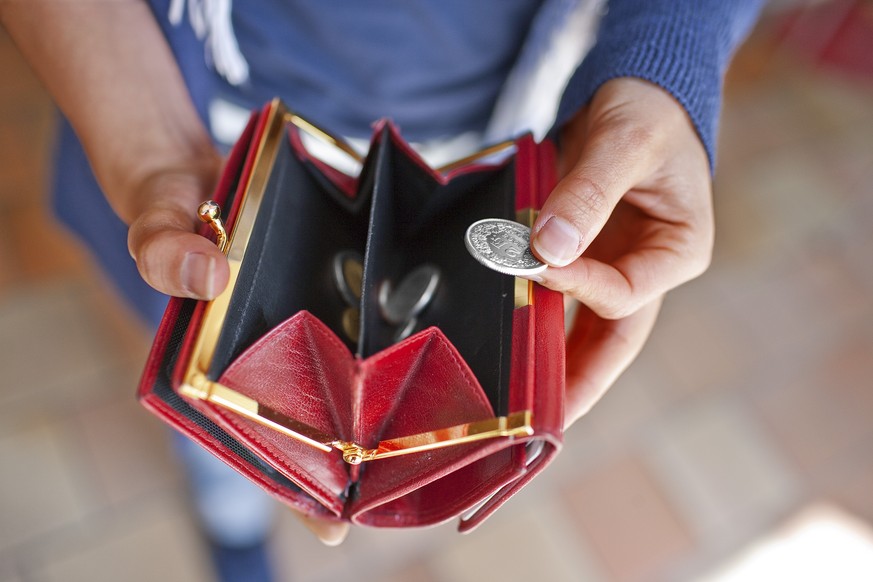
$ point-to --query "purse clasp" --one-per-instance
(517, 424)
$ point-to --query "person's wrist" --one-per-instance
(642, 104)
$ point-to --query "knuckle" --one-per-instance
(589, 200)
(557, 284)
(620, 302)
(140, 235)
(147, 244)
(149, 225)
(698, 256)
(614, 311)
(638, 137)
(606, 303)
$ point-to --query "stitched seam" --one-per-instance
(508, 490)
(480, 452)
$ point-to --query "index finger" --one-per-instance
(618, 289)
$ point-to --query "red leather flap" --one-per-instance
(418, 385)
(448, 482)
(450, 485)
(156, 379)
(303, 370)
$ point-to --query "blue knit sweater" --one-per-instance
(681, 45)
(436, 67)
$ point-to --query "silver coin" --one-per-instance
(413, 294)
(352, 323)
(406, 330)
(503, 245)
(348, 274)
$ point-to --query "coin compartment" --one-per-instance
(417, 219)
(401, 216)
(303, 222)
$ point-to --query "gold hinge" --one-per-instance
(517, 424)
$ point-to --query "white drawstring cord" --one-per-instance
(211, 22)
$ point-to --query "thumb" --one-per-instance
(329, 533)
(613, 159)
(169, 255)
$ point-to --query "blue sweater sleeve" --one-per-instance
(684, 46)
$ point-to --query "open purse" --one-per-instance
(320, 376)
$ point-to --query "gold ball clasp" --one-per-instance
(209, 211)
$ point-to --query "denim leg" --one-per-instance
(233, 511)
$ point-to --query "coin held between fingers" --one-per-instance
(504, 246)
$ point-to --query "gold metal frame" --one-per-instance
(197, 385)
(481, 154)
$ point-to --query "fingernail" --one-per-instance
(198, 274)
(557, 242)
(334, 538)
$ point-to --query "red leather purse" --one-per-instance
(317, 396)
